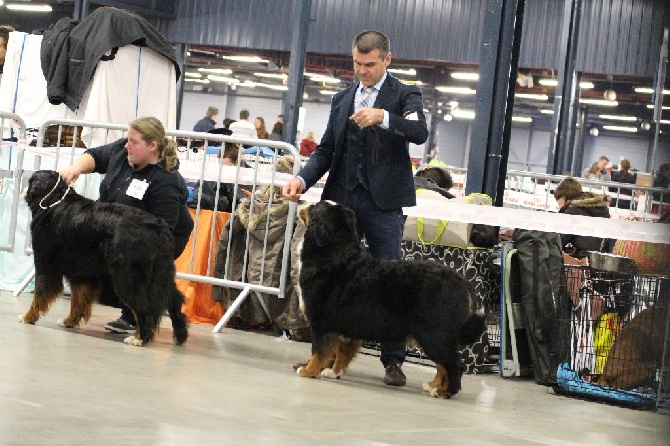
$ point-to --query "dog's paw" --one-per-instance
(61, 323)
(23, 320)
(132, 340)
(426, 387)
(328, 373)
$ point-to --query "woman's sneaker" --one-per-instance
(120, 326)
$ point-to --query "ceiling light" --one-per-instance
(273, 86)
(448, 117)
(522, 119)
(463, 114)
(536, 97)
(618, 118)
(610, 95)
(411, 82)
(456, 90)
(618, 128)
(664, 121)
(465, 75)
(554, 82)
(453, 104)
(594, 131)
(665, 107)
(328, 92)
(323, 78)
(251, 59)
(407, 71)
(547, 111)
(192, 74)
(637, 89)
(281, 76)
(216, 70)
(601, 102)
(229, 80)
(200, 81)
(29, 8)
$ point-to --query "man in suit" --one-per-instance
(365, 152)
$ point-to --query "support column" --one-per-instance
(498, 63)
(566, 89)
(182, 50)
(296, 68)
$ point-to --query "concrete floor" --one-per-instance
(85, 386)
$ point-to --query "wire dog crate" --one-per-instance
(613, 331)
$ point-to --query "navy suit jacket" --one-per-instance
(388, 166)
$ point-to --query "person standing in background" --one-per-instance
(598, 170)
(277, 130)
(208, 122)
(308, 145)
(365, 150)
(623, 175)
(243, 128)
(261, 131)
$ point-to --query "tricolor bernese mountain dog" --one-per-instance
(87, 242)
(349, 296)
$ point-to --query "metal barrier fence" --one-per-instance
(198, 162)
(16, 134)
(535, 190)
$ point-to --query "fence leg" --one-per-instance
(22, 286)
(233, 308)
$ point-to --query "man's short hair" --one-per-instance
(604, 158)
(370, 40)
(244, 114)
(212, 111)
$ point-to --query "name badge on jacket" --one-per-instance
(137, 188)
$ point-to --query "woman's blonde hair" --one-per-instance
(310, 136)
(151, 130)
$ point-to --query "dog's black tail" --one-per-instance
(473, 328)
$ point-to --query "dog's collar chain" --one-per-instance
(50, 192)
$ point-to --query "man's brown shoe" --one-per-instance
(394, 375)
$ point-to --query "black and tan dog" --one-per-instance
(88, 242)
(350, 296)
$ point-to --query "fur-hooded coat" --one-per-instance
(587, 204)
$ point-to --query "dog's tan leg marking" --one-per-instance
(345, 352)
(135, 339)
(319, 361)
(44, 296)
(80, 306)
(442, 390)
(432, 386)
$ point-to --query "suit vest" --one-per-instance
(355, 159)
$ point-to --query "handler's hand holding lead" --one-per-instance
(292, 190)
(70, 174)
(367, 117)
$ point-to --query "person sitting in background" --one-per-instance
(226, 122)
(261, 131)
(226, 190)
(572, 200)
(208, 122)
(308, 145)
(598, 170)
(436, 179)
(622, 176)
(277, 130)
